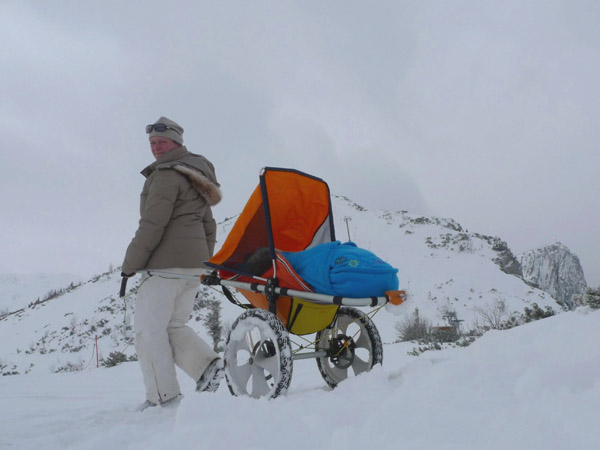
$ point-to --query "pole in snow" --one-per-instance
(348, 219)
(97, 358)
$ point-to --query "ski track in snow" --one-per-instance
(534, 386)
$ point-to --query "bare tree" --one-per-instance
(493, 316)
(413, 327)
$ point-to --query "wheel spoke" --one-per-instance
(342, 326)
(363, 340)
(268, 363)
(259, 382)
(240, 345)
(240, 375)
(359, 365)
(249, 344)
(339, 374)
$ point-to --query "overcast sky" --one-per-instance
(483, 111)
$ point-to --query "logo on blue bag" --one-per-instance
(340, 260)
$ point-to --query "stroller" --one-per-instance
(289, 211)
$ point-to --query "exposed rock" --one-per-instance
(507, 262)
(554, 269)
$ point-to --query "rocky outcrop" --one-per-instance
(554, 269)
(507, 262)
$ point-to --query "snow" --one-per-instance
(19, 290)
(534, 386)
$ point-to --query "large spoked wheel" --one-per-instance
(258, 356)
(353, 346)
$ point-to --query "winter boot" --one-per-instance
(144, 406)
(212, 376)
(171, 403)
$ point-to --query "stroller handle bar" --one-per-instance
(393, 297)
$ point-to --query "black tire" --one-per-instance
(258, 356)
(353, 346)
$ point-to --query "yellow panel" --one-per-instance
(307, 317)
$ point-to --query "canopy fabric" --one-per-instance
(288, 211)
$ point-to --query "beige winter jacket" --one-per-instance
(176, 226)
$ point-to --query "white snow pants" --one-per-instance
(162, 339)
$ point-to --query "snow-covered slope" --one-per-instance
(532, 387)
(59, 334)
(555, 269)
(17, 291)
(441, 265)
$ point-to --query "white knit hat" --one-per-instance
(172, 130)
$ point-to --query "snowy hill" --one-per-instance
(442, 266)
(531, 387)
(17, 291)
(59, 333)
(555, 270)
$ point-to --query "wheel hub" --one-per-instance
(342, 351)
(266, 349)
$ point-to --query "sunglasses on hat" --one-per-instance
(160, 128)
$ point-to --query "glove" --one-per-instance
(124, 283)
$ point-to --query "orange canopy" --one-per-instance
(288, 211)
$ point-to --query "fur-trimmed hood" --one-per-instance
(196, 168)
(208, 189)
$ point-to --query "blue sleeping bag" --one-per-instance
(344, 269)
